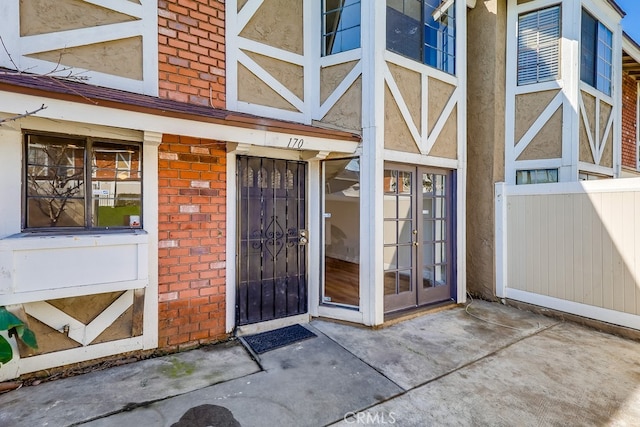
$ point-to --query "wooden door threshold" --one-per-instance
(411, 313)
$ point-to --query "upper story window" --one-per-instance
(424, 30)
(539, 46)
(340, 26)
(596, 54)
(81, 183)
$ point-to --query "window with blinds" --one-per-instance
(539, 46)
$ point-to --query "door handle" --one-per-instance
(302, 237)
(415, 243)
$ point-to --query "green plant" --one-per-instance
(17, 328)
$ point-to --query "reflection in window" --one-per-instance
(596, 54)
(340, 26)
(341, 225)
(537, 176)
(423, 30)
(276, 179)
(60, 192)
(263, 177)
(289, 183)
(247, 177)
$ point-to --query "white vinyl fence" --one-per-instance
(573, 247)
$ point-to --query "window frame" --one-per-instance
(87, 143)
(558, 55)
(591, 76)
(445, 48)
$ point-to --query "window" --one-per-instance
(586, 176)
(596, 54)
(81, 183)
(340, 26)
(423, 30)
(539, 46)
(536, 176)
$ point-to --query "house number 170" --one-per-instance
(295, 143)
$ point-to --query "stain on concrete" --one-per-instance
(207, 415)
(177, 368)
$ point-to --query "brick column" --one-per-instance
(629, 118)
(191, 51)
(192, 236)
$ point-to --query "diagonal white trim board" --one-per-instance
(79, 332)
(404, 110)
(340, 90)
(542, 120)
(587, 126)
(444, 116)
(80, 37)
(605, 136)
(246, 13)
(271, 81)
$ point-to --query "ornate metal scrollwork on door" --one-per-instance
(271, 237)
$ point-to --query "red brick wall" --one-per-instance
(191, 51)
(192, 238)
(629, 118)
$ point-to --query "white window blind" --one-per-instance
(539, 46)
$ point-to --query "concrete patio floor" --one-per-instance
(488, 364)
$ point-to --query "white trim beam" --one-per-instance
(81, 37)
(246, 13)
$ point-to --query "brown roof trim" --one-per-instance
(82, 93)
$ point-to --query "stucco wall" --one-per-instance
(446, 145)
(439, 94)
(589, 103)
(119, 57)
(48, 16)
(485, 120)
(278, 23)
(346, 114)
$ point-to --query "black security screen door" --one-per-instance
(272, 236)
